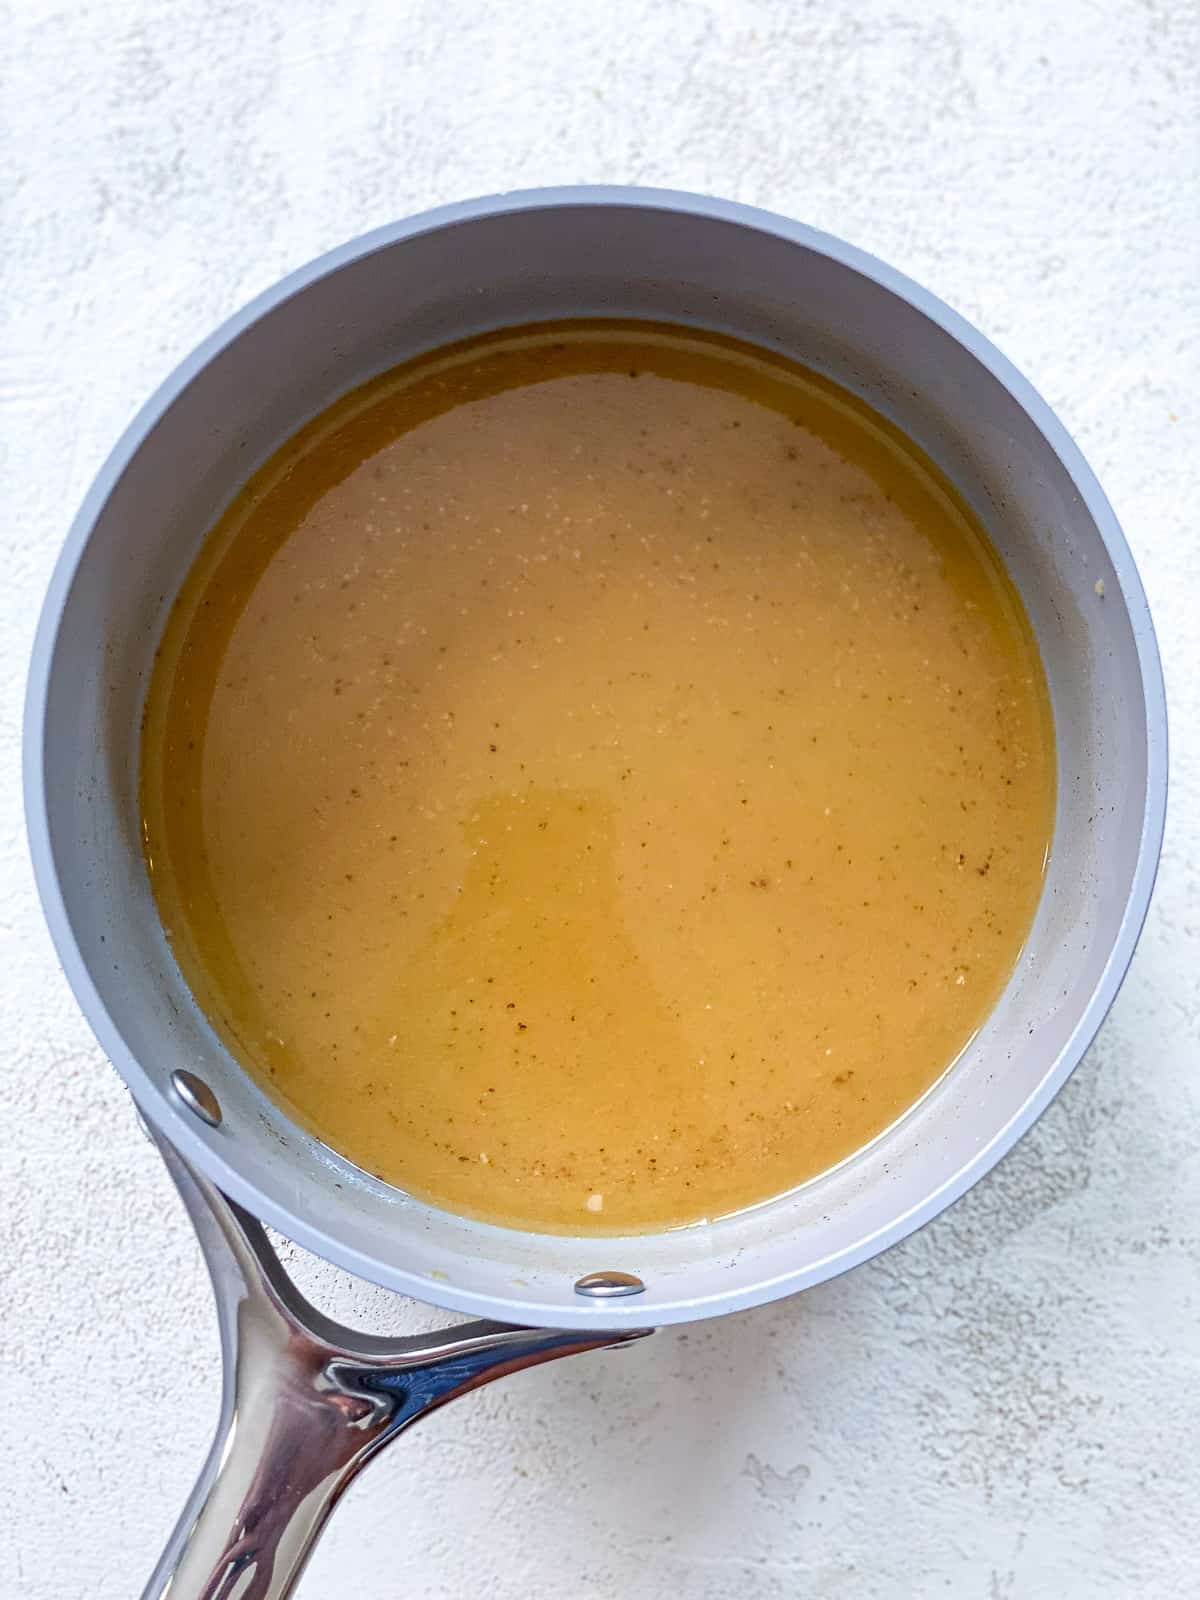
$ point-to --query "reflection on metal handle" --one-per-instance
(305, 1404)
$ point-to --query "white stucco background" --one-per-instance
(1009, 1403)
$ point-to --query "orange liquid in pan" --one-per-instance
(597, 777)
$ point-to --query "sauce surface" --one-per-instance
(597, 777)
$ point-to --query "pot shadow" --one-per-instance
(676, 1430)
(596, 1465)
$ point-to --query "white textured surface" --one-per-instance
(1009, 1403)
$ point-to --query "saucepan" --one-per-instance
(306, 1401)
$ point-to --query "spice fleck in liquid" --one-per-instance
(597, 777)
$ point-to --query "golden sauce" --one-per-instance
(597, 777)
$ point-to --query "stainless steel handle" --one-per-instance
(305, 1404)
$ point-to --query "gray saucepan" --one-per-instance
(307, 1402)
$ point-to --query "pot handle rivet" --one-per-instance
(608, 1285)
(196, 1095)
